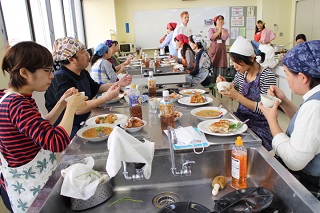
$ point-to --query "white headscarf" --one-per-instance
(242, 46)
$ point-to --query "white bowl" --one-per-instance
(96, 139)
(133, 129)
(268, 100)
(195, 110)
(222, 84)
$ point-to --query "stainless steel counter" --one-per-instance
(263, 170)
(152, 130)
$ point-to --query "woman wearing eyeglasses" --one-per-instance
(29, 142)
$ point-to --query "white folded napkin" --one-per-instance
(124, 147)
(80, 180)
(188, 135)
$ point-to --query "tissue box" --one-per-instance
(104, 192)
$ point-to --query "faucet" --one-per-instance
(186, 165)
(137, 176)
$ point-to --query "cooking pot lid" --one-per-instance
(184, 207)
(254, 199)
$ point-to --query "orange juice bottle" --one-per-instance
(239, 165)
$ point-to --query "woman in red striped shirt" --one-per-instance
(27, 140)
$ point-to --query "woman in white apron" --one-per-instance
(28, 141)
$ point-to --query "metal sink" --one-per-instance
(163, 187)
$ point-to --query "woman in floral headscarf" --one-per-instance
(299, 147)
(187, 60)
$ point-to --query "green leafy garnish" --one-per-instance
(234, 125)
(125, 199)
(98, 128)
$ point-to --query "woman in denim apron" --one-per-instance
(299, 147)
(250, 81)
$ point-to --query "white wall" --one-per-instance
(99, 19)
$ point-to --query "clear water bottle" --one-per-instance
(135, 102)
(166, 111)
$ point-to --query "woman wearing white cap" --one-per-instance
(250, 81)
(299, 147)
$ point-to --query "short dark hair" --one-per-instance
(301, 36)
(26, 54)
(239, 59)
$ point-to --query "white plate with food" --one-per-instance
(116, 99)
(187, 101)
(96, 132)
(111, 118)
(222, 127)
(191, 91)
(177, 115)
(206, 113)
(133, 124)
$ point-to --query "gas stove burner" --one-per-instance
(248, 200)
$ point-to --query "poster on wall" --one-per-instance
(251, 23)
(237, 11)
(250, 11)
(237, 21)
(234, 32)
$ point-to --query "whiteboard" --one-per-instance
(151, 25)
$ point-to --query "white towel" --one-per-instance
(124, 147)
(80, 181)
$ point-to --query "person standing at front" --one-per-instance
(218, 52)
(181, 29)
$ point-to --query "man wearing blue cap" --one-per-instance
(299, 147)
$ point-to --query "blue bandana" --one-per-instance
(304, 58)
(101, 49)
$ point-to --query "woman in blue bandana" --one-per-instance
(102, 71)
(299, 147)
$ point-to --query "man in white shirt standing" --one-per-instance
(182, 29)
